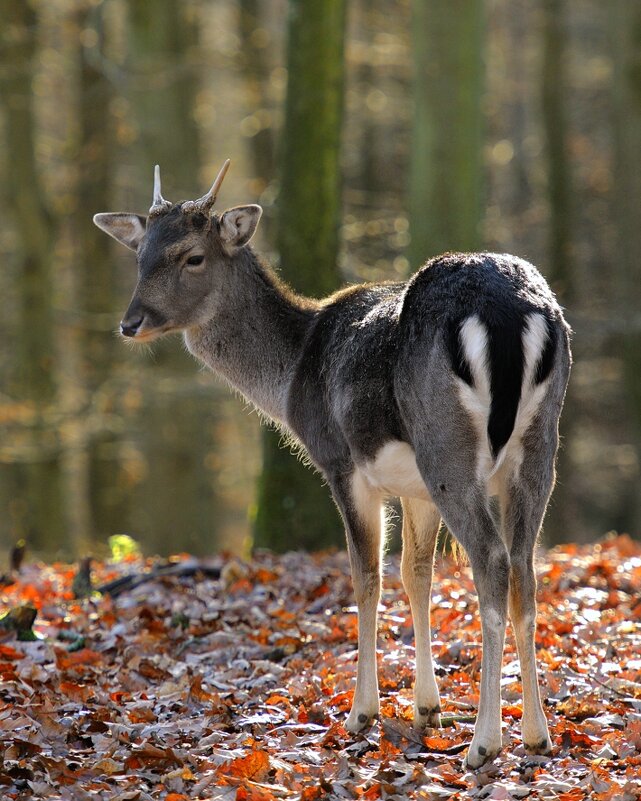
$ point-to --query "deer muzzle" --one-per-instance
(142, 322)
(129, 326)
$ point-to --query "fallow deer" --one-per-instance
(443, 390)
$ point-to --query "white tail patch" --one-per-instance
(535, 334)
(475, 348)
(477, 399)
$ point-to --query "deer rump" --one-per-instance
(469, 340)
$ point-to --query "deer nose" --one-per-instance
(129, 327)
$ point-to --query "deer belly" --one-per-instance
(394, 471)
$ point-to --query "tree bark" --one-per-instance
(39, 520)
(255, 67)
(626, 48)
(446, 171)
(88, 350)
(563, 518)
(163, 93)
(294, 508)
(31, 217)
(554, 104)
(179, 420)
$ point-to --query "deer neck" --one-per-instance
(254, 337)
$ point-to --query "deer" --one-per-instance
(444, 390)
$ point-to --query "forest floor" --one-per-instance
(237, 686)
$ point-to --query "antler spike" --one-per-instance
(204, 203)
(213, 192)
(159, 204)
(157, 189)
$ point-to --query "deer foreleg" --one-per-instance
(421, 521)
(361, 509)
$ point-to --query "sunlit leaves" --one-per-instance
(123, 547)
(192, 687)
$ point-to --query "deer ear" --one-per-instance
(237, 225)
(128, 229)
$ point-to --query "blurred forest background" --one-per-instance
(387, 131)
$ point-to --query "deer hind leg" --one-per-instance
(421, 521)
(362, 513)
(534, 727)
(523, 501)
(490, 567)
(465, 511)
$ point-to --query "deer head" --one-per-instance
(185, 253)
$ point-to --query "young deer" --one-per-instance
(443, 390)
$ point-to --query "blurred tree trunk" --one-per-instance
(294, 508)
(446, 170)
(163, 41)
(554, 103)
(89, 466)
(626, 49)
(254, 39)
(39, 520)
(253, 53)
(374, 149)
(515, 25)
(95, 191)
(178, 419)
(563, 518)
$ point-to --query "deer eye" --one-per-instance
(194, 261)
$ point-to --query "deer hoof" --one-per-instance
(357, 721)
(478, 755)
(425, 716)
(542, 746)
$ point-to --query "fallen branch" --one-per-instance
(129, 582)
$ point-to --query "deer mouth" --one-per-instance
(147, 336)
(150, 334)
(139, 332)
(144, 324)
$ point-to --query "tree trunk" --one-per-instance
(563, 518)
(256, 69)
(35, 376)
(445, 181)
(294, 508)
(164, 86)
(257, 72)
(178, 421)
(40, 520)
(88, 348)
(626, 47)
(554, 103)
